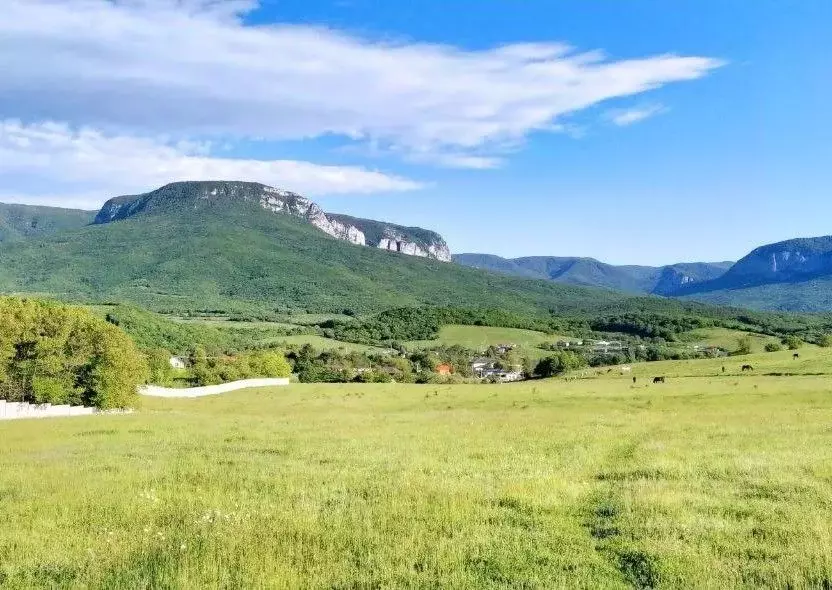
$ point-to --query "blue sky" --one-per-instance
(638, 132)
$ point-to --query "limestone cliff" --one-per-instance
(413, 241)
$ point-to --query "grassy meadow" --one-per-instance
(704, 482)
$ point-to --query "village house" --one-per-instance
(480, 365)
(177, 362)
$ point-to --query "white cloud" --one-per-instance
(192, 68)
(53, 164)
(626, 117)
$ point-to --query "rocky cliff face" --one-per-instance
(784, 262)
(413, 241)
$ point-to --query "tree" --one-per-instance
(559, 363)
(270, 364)
(744, 344)
(158, 361)
(825, 341)
(792, 342)
(773, 347)
(51, 353)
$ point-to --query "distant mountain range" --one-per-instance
(793, 275)
(588, 272)
(197, 244)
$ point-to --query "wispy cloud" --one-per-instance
(192, 68)
(88, 167)
(626, 117)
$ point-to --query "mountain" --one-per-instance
(365, 232)
(186, 247)
(18, 222)
(793, 275)
(589, 272)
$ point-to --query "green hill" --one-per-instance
(18, 222)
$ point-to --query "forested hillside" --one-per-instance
(18, 222)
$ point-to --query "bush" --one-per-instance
(792, 342)
(825, 341)
(773, 347)
(51, 353)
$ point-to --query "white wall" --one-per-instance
(156, 391)
(20, 410)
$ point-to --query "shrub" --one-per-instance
(773, 347)
(792, 342)
(825, 341)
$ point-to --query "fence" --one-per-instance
(20, 410)
(156, 391)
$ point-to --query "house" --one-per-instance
(444, 369)
(177, 362)
(502, 375)
(505, 348)
(481, 365)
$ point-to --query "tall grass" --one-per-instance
(704, 482)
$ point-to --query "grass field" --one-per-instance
(481, 337)
(702, 483)
(727, 339)
(813, 361)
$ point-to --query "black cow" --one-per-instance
(747, 368)
(658, 379)
(634, 379)
(723, 369)
(795, 356)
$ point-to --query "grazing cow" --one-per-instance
(795, 356)
(634, 379)
(723, 368)
(747, 368)
(658, 379)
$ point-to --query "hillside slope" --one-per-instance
(18, 222)
(665, 280)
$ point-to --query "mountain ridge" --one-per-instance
(576, 270)
(213, 194)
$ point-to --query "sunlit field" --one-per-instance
(705, 482)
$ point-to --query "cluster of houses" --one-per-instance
(489, 369)
(484, 368)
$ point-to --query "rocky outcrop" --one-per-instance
(413, 241)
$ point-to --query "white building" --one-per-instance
(177, 362)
